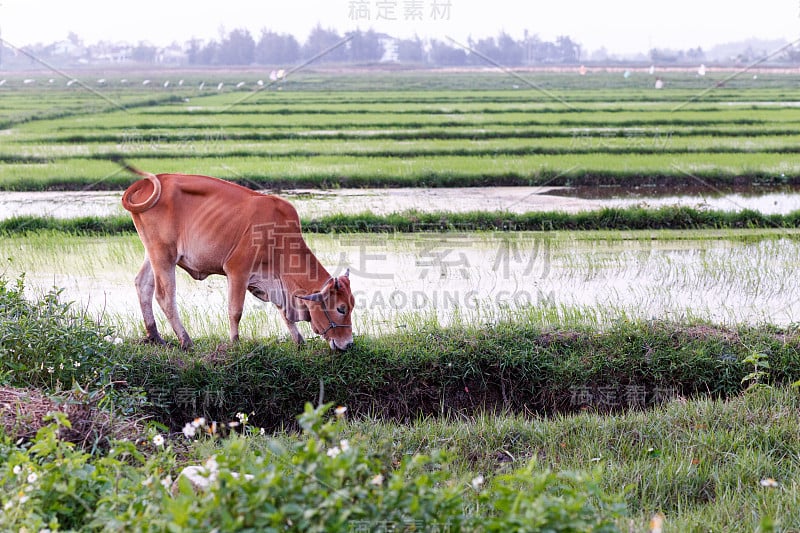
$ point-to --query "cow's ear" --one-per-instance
(315, 297)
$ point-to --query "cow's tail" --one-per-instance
(140, 207)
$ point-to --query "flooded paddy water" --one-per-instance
(402, 280)
(316, 203)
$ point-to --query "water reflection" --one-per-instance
(765, 199)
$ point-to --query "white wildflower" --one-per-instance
(17, 470)
(377, 480)
(344, 445)
(32, 477)
(477, 482)
(189, 430)
(243, 418)
(333, 452)
(167, 482)
(158, 440)
(117, 341)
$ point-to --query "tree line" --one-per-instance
(239, 47)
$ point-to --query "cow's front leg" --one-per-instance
(165, 295)
(297, 337)
(145, 287)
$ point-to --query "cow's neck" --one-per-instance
(308, 280)
(300, 270)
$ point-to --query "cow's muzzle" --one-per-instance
(341, 347)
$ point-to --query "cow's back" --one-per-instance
(200, 221)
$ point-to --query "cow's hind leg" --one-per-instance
(237, 290)
(145, 287)
(166, 296)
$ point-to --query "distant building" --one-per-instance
(173, 54)
(67, 48)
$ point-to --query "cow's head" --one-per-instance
(330, 310)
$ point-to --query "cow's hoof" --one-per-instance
(155, 340)
(186, 343)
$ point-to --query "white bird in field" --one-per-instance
(219, 87)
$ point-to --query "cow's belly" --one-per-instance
(201, 258)
(200, 267)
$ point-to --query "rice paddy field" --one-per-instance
(551, 271)
(299, 134)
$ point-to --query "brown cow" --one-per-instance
(209, 226)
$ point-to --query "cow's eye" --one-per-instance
(342, 309)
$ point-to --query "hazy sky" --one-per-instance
(623, 26)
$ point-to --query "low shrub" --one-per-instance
(46, 343)
(318, 482)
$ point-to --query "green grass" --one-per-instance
(445, 171)
(619, 219)
(699, 462)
